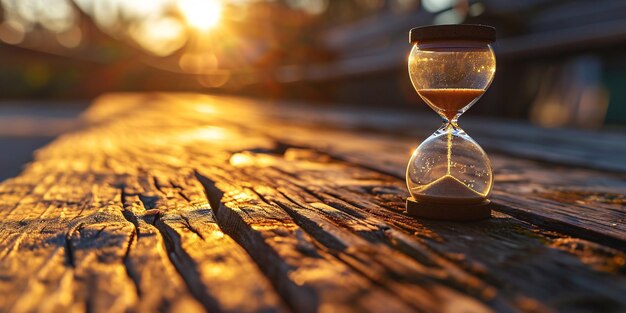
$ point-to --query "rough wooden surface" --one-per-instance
(189, 203)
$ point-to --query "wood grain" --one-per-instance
(190, 203)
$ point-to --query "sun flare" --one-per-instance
(201, 14)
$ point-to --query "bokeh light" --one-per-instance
(201, 14)
(161, 36)
(259, 46)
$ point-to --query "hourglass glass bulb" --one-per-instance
(449, 167)
(450, 74)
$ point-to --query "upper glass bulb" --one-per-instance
(450, 67)
(451, 75)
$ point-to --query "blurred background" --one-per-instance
(560, 62)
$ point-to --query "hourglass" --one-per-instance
(449, 175)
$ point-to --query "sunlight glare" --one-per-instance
(201, 14)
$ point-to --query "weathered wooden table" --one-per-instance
(191, 203)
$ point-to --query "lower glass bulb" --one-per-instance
(449, 168)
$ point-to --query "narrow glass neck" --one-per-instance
(453, 122)
(449, 126)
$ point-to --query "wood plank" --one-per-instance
(263, 159)
(211, 199)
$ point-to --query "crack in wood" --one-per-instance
(213, 194)
(69, 250)
(191, 228)
(127, 266)
(133, 237)
(177, 258)
(173, 255)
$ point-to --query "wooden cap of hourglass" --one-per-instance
(464, 32)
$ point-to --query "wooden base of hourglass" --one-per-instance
(449, 212)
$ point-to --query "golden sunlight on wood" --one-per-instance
(241, 159)
(201, 14)
(205, 133)
(196, 203)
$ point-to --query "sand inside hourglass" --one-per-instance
(447, 189)
(448, 101)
